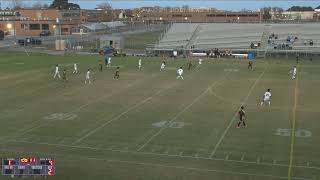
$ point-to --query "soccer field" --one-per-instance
(148, 125)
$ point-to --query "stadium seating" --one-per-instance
(236, 36)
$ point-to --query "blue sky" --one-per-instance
(220, 4)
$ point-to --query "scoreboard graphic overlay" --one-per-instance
(28, 166)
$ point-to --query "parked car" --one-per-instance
(45, 33)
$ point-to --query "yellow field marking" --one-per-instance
(293, 127)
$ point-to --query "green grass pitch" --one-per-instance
(148, 125)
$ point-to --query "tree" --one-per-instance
(39, 5)
(185, 8)
(108, 15)
(266, 15)
(17, 4)
(73, 6)
(277, 9)
(104, 5)
(266, 12)
(300, 8)
(167, 9)
(64, 4)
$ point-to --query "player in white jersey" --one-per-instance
(266, 97)
(88, 77)
(294, 72)
(179, 73)
(75, 68)
(56, 72)
(200, 61)
(140, 64)
(109, 62)
(163, 65)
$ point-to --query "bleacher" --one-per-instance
(304, 33)
(228, 36)
(235, 36)
(177, 36)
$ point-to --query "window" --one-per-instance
(176, 15)
(45, 26)
(34, 26)
(65, 29)
(24, 26)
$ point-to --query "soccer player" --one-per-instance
(75, 68)
(200, 61)
(163, 65)
(242, 116)
(88, 77)
(180, 72)
(250, 65)
(100, 65)
(56, 72)
(294, 72)
(64, 75)
(189, 65)
(109, 62)
(266, 97)
(297, 58)
(116, 74)
(139, 64)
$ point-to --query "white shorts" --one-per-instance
(266, 99)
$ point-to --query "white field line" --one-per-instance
(120, 115)
(235, 115)
(139, 163)
(29, 129)
(178, 114)
(113, 119)
(157, 154)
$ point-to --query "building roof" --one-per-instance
(95, 26)
(103, 25)
(114, 24)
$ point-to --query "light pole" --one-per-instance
(10, 26)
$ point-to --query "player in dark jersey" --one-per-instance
(250, 65)
(100, 65)
(297, 58)
(242, 116)
(64, 75)
(116, 74)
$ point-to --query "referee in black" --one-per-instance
(242, 116)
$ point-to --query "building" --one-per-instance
(293, 15)
(31, 22)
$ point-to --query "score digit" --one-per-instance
(51, 162)
(50, 171)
